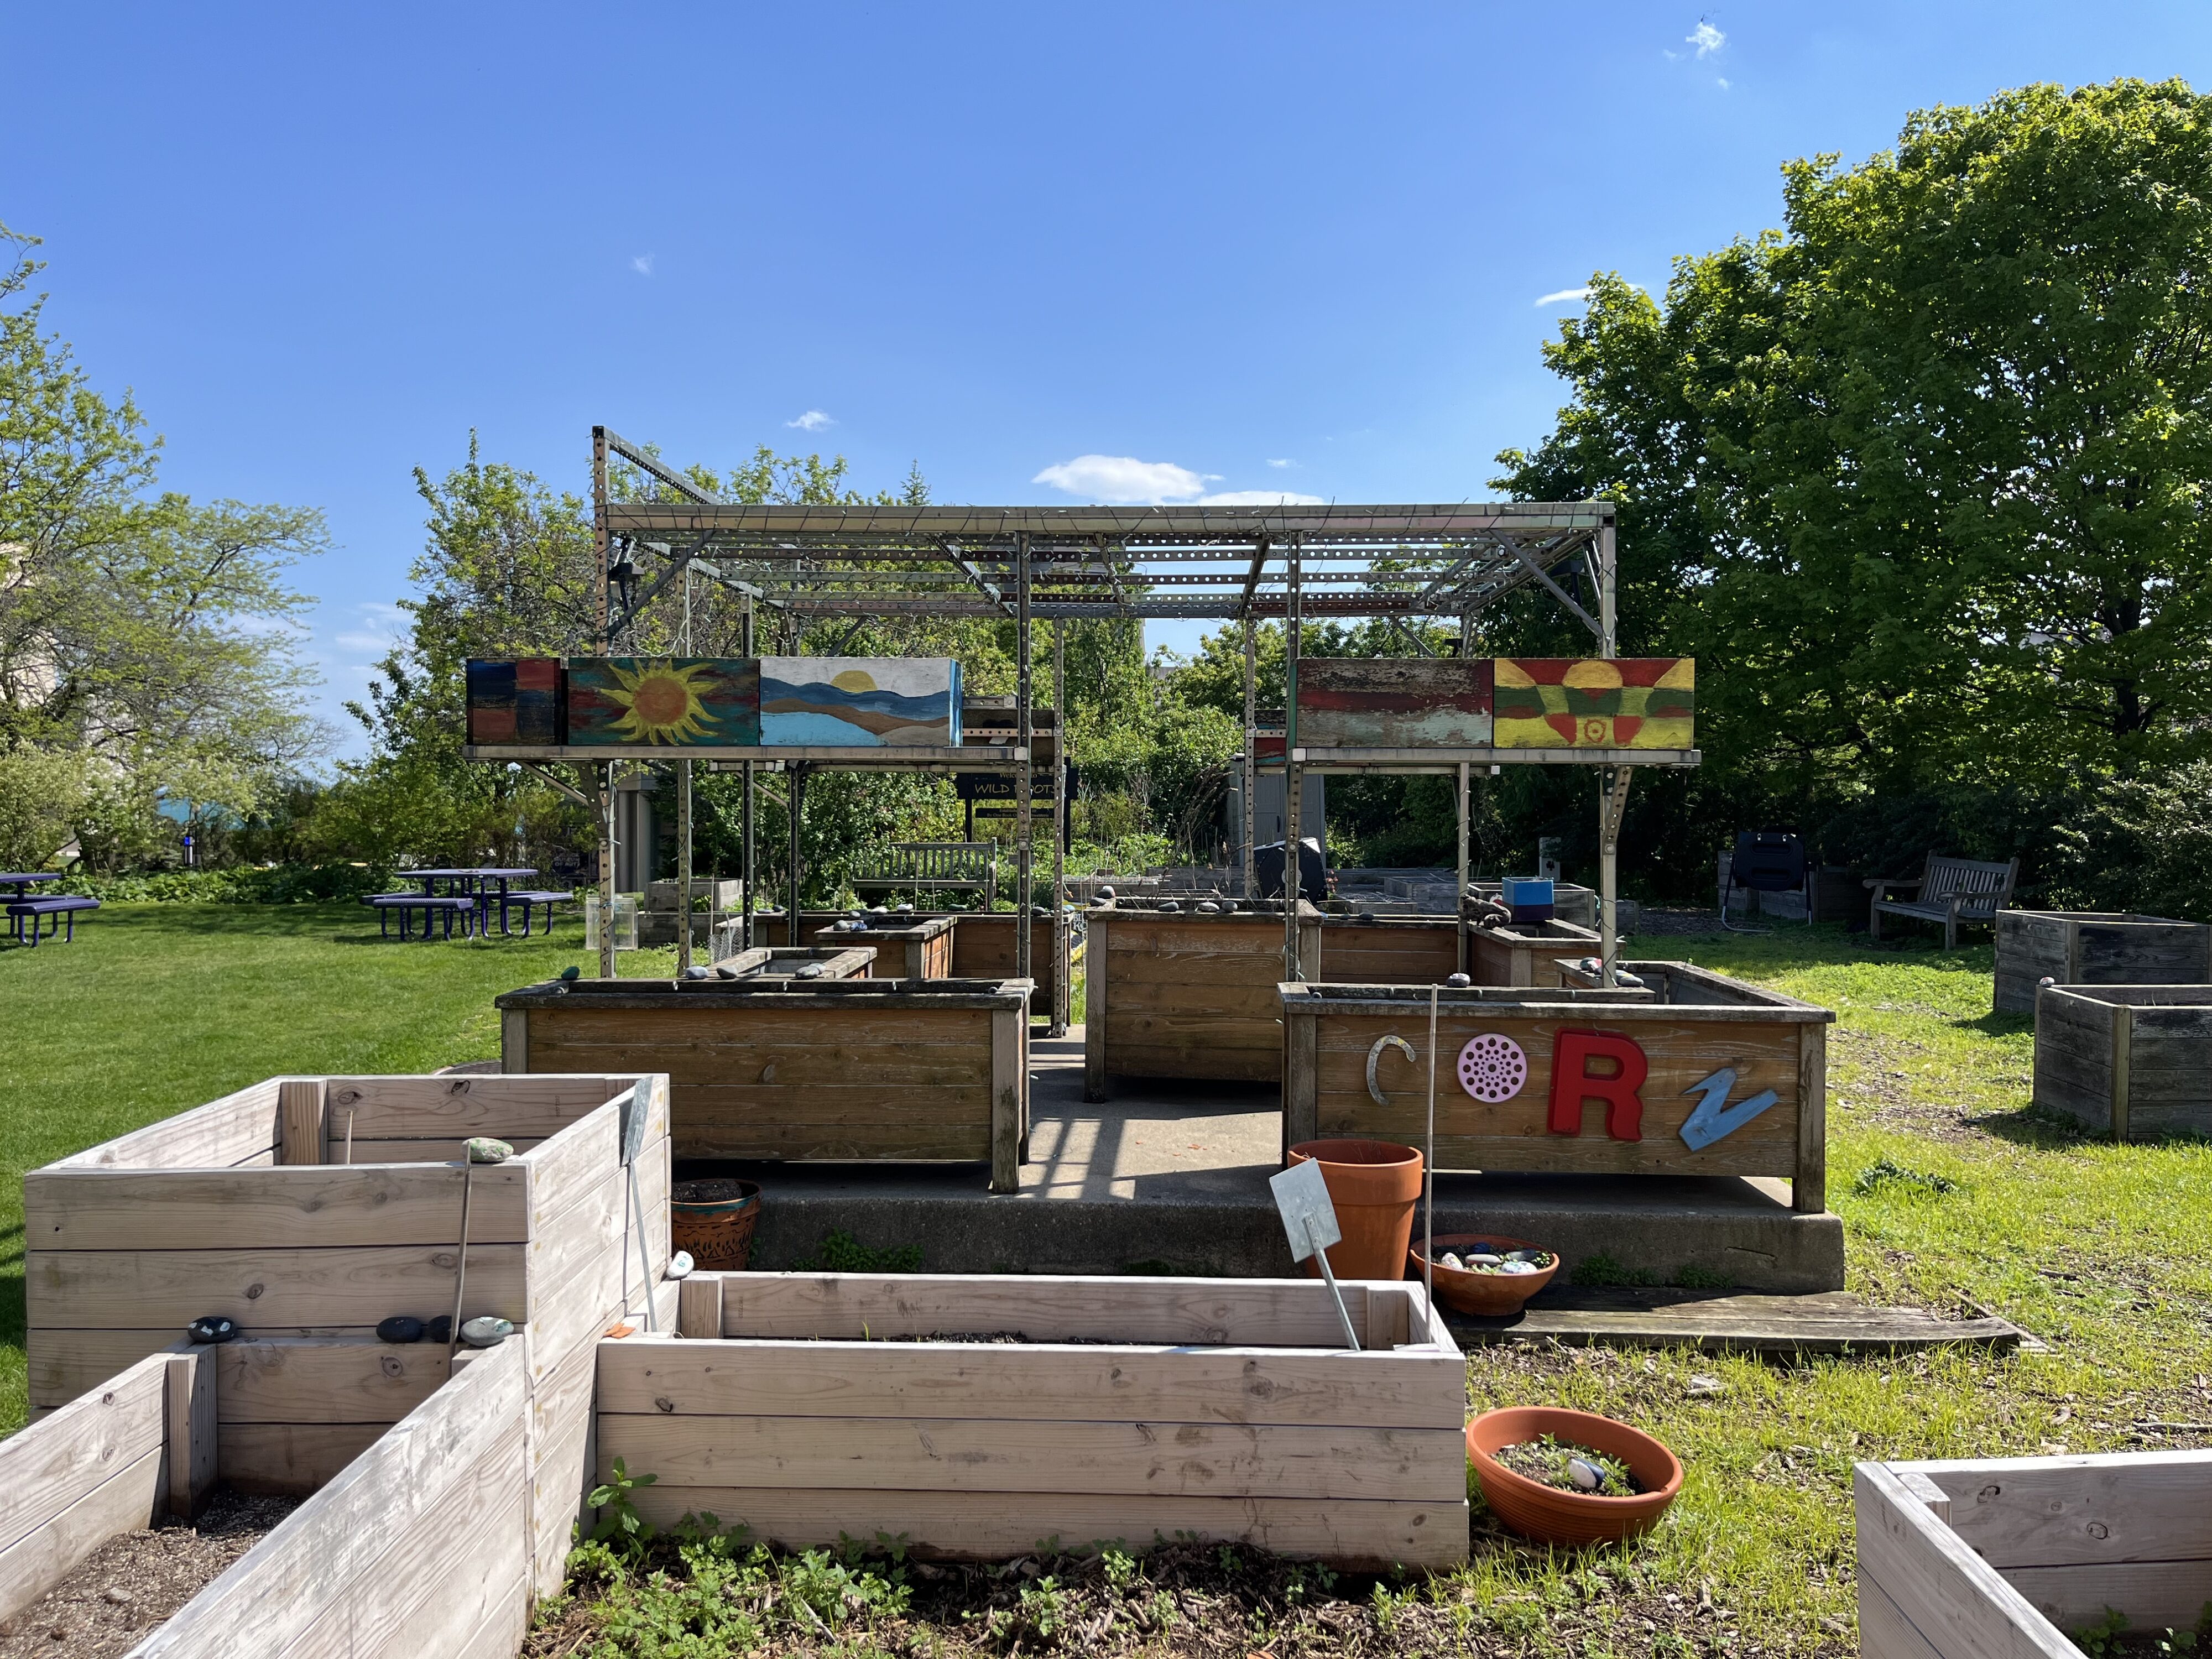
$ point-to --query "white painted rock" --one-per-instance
(1586, 1475)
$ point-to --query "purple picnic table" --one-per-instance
(21, 904)
(487, 883)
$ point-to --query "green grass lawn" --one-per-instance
(1970, 1200)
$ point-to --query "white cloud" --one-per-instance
(1723, 84)
(1258, 498)
(1706, 38)
(813, 421)
(1273, 462)
(642, 264)
(1122, 478)
(1563, 293)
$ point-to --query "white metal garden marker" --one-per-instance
(1309, 1222)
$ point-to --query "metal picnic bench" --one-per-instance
(933, 867)
(1951, 890)
(62, 907)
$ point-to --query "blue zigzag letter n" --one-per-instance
(1713, 1119)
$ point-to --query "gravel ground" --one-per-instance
(137, 1580)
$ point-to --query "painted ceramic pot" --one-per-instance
(1551, 1515)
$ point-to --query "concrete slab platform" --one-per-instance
(1172, 1177)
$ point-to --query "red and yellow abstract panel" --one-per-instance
(1588, 703)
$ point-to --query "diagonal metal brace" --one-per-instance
(1558, 592)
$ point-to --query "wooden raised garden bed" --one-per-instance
(1710, 1049)
(867, 1069)
(248, 1208)
(912, 950)
(1527, 953)
(1085, 1409)
(1185, 994)
(2005, 1556)
(765, 961)
(2094, 947)
(1387, 950)
(2130, 1060)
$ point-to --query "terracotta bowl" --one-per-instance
(1489, 1295)
(1552, 1516)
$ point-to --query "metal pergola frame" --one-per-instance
(1405, 564)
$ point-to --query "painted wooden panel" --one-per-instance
(515, 701)
(859, 701)
(1394, 703)
(675, 702)
(1562, 702)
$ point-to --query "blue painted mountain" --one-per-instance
(859, 701)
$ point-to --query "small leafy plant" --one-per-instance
(1885, 1171)
(624, 1532)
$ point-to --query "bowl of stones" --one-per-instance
(1568, 1477)
(1485, 1274)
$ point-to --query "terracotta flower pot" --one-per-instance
(713, 1224)
(1552, 1516)
(1374, 1186)
(1488, 1295)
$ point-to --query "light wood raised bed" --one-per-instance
(1527, 953)
(422, 1547)
(1387, 950)
(1689, 1023)
(2094, 947)
(919, 949)
(1140, 1409)
(2130, 1060)
(1184, 994)
(1999, 1557)
(854, 1069)
(242, 1207)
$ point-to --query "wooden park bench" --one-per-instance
(1950, 891)
(65, 905)
(933, 867)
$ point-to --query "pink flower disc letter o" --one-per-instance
(1492, 1068)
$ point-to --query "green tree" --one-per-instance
(147, 637)
(1919, 478)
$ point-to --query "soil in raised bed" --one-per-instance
(133, 1582)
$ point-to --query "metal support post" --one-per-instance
(1459, 909)
(1251, 750)
(1613, 802)
(795, 792)
(746, 801)
(1062, 996)
(683, 865)
(607, 875)
(1024, 776)
(599, 529)
(1293, 620)
(1613, 782)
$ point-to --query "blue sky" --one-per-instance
(1211, 248)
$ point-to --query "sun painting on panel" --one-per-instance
(660, 701)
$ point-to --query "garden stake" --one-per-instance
(350, 1110)
(644, 1258)
(460, 1265)
(1428, 1175)
(1329, 1273)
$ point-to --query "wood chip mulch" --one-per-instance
(133, 1582)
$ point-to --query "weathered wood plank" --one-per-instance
(985, 1526)
(2155, 1595)
(1955, 1600)
(52, 1465)
(918, 1142)
(290, 1380)
(189, 1428)
(260, 1608)
(355, 1285)
(300, 1112)
(1884, 1630)
(231, 1131)
(1171, 1458)
(1242, 1385)
(1009, 1087)
(290, 1459)
(289, 1206)
(1808, 1182)
(853, 1307)
(2079, 1511)
(436, 1108)
(1831, 1322)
